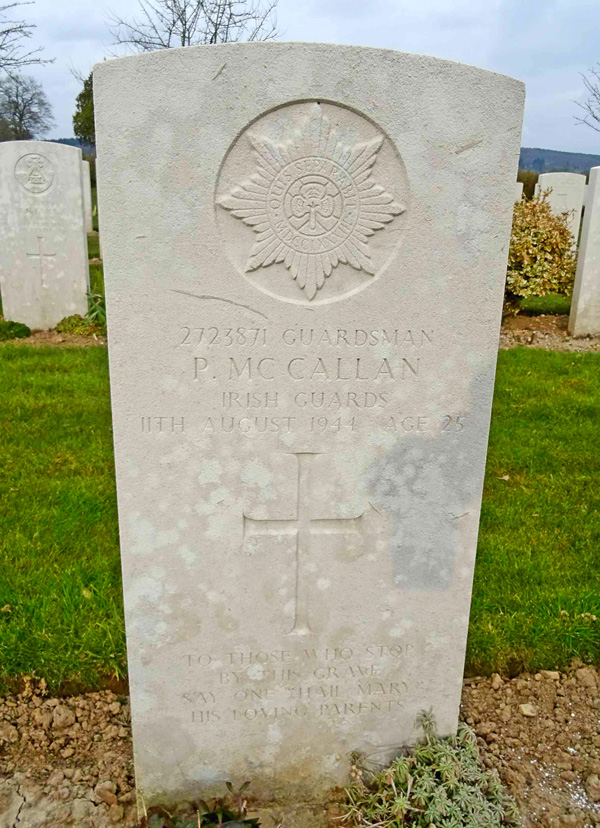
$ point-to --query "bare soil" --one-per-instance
(38, 338)
(68, 761)
(542, 733)
(548, 332)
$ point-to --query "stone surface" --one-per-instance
(585, 306)
(43, 255)
(527, 710)
(518, 191)
(305, 250)
(86, 182)
(568, 193)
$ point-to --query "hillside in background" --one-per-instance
(545, 160)
(73, 142)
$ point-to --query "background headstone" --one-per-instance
(585, 305)
(518, 191)
(568, 193)
(43, 255)
(87, 196)
(305, 253)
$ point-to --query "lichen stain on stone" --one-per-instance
(419, 485)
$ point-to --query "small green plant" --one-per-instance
(97, 310)
(218, 812)
(542, 257)
(441, 782)
(13, 330)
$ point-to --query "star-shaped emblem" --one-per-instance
(312, 202)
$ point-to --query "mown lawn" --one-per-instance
(537, 588)
(536, 594)
(550, 304)
(60, 592)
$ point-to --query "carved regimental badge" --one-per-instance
(314, 201)
(34, 172)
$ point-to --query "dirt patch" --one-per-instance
(39, 338)
(548, 332)
(68, 761)
(542, 733)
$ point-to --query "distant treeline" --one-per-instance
(73, 142)
(545, 160)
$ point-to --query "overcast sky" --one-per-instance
(546, 43)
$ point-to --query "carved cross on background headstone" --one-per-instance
(41, 256)
(303, 528)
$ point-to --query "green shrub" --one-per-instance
(94, 322)
(542, 258)
(13, 330)
(76, 324)
(441, 782)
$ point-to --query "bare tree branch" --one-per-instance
(76, 73)
(591, 106)
(165, 24)
(13, 35)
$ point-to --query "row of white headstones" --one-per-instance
(570, 193)
(45, 216)
(47, 211)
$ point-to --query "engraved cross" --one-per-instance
(41, 256)
(303, 528)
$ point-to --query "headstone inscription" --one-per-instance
(43, 255)
(305, 251)
(86, 180)
(584, 319)
(568, 193)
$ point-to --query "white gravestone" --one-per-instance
(87, 196)
(568, 193)
(518, 191)
(43, 255)
(585, 305)
(305, 252)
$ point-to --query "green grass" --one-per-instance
(93, 246)
(60, 588)
(536, 580)
(550, 305)
(94, 207)
(96, 270)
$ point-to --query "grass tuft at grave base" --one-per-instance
(536, 601)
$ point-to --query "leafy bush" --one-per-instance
(75, 324)
(542, 257)
(13, 330)
(441, 782)
(94, 322)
